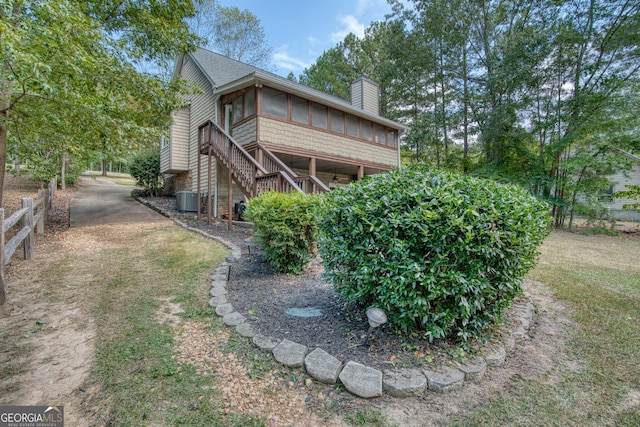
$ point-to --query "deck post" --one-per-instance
(200, 130)
(230, 201)
(209, 178)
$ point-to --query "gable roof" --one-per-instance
(220, 69)
(628, 155)
(227, 75)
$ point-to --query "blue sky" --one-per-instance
(300, 30)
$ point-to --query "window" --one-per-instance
(337, 121)
(299, 110)
(381, 135)
(250, 103)
(606, 195)
(319, 116)
(237, 109)
(274, 102)
(164, 142)
(367, 130)
(353, 126)
(391, 138)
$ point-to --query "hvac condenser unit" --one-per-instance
(187, 201)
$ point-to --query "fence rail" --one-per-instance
(31, 218)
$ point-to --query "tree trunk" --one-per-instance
(16, 162)
(444, 102)
(104, 167)
(63, 170)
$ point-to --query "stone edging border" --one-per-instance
(361, 380)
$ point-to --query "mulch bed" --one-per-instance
(263, 296)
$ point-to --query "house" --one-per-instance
(258, 131)
(619, 181)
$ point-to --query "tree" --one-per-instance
(231, 32)
(68, 81)
(546, 90)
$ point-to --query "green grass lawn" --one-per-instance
(598, 279)
(116, 177)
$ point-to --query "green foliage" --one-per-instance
(632, 192)
(70, 78)
(145, 168)
(442, 254)
(231, 32)
(284, 224)
(533, 92)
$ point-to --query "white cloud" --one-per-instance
(350, 25)
(369, 5)
(283, 60)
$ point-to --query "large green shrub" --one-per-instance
(442, 254)
(284, 224)
(145, 168)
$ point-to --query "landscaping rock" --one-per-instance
(494, 355)
(264, 343)
(473, 370)
(224, 309)
(233, 319)
(509, 342)
(217, 291)
(245, 330)
(224, 271)
(518, 332)
(322, 366)
(230, 259)
(404, 382)
(361, 380)
(444, 378)
(216, 301)
(290, 354)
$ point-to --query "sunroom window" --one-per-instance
(274, 102)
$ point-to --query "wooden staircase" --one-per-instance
(252, 176)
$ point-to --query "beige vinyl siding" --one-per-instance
(175, 157)
(165, 159)
(245, 133)
(202, 109)
(620, 179)
(289, 134)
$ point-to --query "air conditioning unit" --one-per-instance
(187, 201)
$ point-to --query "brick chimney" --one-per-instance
(365, 95)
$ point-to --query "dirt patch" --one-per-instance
(48, 337)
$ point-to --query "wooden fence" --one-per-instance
(31, 218)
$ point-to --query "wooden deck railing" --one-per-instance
(247, 172)
(307, 183)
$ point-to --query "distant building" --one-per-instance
(620, 180)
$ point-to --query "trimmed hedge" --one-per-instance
(442, 254)
(284, 224)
